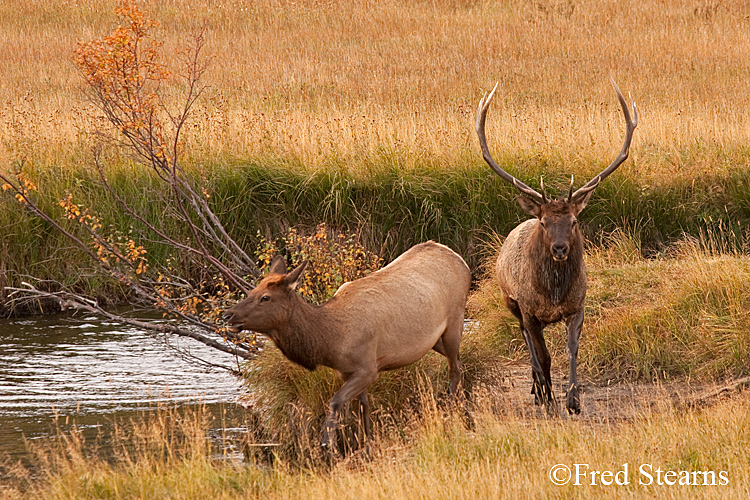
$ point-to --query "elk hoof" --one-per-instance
(326, 442)
(542, 394)
(574, 404)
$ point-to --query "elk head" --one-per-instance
(267, 307)
(558, 223)
(557, 218)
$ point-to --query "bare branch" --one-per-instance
(71, 301)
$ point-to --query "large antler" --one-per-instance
(484, 105)
(630, 125)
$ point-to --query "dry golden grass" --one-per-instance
(503, 456)
(321, 80)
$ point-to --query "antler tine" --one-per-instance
(630, 125)
(484, 105)
(570, 191)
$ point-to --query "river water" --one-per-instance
(60, 371)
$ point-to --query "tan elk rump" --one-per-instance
(384, 321)
(540, 268)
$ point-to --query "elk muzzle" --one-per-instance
(560, 251)
(227, 316)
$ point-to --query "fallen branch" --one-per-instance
(69, 301)
(705, 399)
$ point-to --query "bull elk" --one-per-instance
(540, 268)
(383, 321)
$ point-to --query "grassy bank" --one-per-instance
(391, 208)
(681, 317)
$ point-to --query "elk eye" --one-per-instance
(575, 221)
(265, 298)
(541, 222)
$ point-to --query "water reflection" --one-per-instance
(94, 373)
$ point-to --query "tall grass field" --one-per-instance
(360, 115)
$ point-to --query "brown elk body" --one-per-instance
(384, 321)
(540, 268)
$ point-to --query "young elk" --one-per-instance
(384, 321)
(540, 268)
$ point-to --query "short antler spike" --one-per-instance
(570, 191)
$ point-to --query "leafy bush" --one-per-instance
(333, 259)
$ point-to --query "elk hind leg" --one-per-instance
(363, 440)
(448, 345)
(574, 324)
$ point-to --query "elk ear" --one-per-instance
(278, 265)
(529, 206)
(293, 278)
(581, 202)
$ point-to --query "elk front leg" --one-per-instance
(354, 384)
(540, 363)
(574, 324)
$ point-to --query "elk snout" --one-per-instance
(560, 251)
(227, 316)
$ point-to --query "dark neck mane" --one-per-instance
(556, 278)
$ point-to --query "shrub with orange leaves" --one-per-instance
(23, 188)
(124, 74)
(126, 78)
